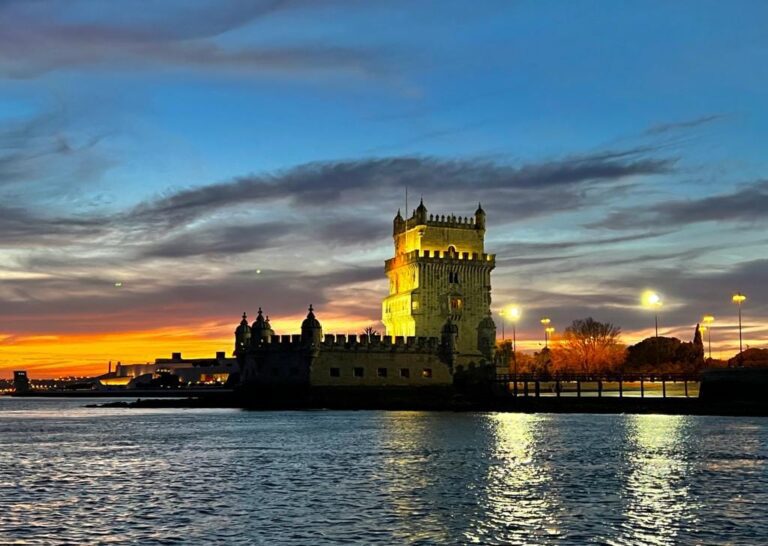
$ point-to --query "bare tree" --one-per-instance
(370, 331)
(589, 346)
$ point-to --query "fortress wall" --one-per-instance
(419, 365)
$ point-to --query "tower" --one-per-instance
(439, 272)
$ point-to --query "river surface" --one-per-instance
(73, 475)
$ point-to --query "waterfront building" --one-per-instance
(440, 270)
(437, 318)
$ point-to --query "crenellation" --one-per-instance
(341, 339)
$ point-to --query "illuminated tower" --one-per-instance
(440, 271)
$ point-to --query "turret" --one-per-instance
(242, 335)
(449, 338)
(486, 337)
(480, 217)
(311, 330)
(421, 213)
(261, 330)
(398, 224)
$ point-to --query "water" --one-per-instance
(85, 476)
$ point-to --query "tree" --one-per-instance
(370, 331)
(588, 346)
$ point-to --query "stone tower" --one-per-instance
(440, 271)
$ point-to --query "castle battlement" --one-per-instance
(344, 342)
(439, 220)
(437, 255)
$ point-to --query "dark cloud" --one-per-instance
(217, 240)
(683, 125)
(20, 227)
(747, 204)
(39, 38)
(348, 183)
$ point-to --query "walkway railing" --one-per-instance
(562, 384)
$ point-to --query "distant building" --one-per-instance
(20, 382)
(187, 370)
(437, 316)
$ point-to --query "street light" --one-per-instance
(514, 313)
(652, 300)
(708, 320)
(547, 334)
(545, 322)
(739, 298)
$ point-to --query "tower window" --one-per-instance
(456, 304)
(405, 373)
(357, 372)
(381, 372)
(335, 372)
(426, 373)
(453, 277)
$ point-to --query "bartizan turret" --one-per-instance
(480, 217)
(311, 330)
(486, 337)
(449, 342)
(242, 336)
(261, 332)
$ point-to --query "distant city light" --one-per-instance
(258, 271)
(118, 284)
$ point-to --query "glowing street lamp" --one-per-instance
(708, 320)
(652, 300)
(548, 331)
(739, 298)
(514, 313)
(545, 322)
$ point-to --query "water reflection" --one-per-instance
(518, 505)
(658, 505)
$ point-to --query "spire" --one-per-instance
(479, 209)
(245, 319)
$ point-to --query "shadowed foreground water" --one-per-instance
(75, 475)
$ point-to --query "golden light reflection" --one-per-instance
(519, 505)
(658, 504)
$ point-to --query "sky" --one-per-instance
(167, 165)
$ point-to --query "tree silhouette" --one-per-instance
(589, 346)
(370, 331)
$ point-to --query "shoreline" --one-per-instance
(668, 406)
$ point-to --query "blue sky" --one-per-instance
(618, 145)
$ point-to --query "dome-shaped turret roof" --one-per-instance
(243, 326)
(310, 321)
(421, 209)
(479, 209)
(487, 323)
(259, 323)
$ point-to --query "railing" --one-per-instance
(561, 384)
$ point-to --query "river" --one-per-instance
(76, 475)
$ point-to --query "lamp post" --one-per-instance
(513, 312)
(545, 322)
(739, 298)
(653, 301)
(708, 320)
(548, 331)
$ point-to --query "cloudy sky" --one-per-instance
(214, 156)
